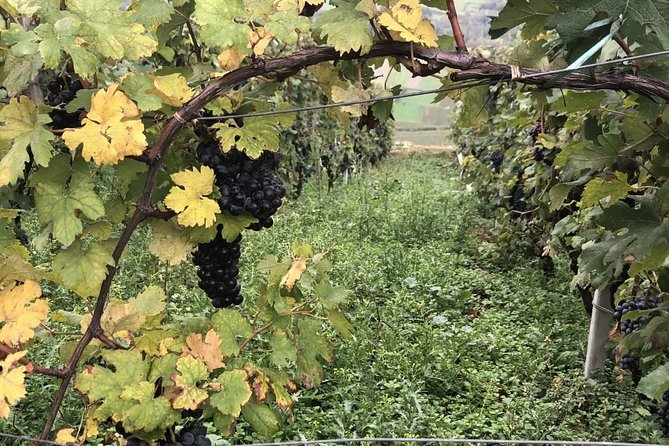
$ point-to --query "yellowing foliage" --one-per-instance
(12, 388)
(19, 316)
(404, 18)
(112, 130)
(188, 197)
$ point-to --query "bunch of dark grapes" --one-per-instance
(496, 159)
(630, 364)
(63, 91)
(217, 263)
(517, 200)
(190, 436)
(534, 131)
(246, 185)
(663, 413)
(643, 302)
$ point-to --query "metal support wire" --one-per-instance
(30, 439)
(604, 309)
(449, 441)
(344, 104)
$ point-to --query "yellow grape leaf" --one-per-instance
(230, 59)
(112, 129)
(119, 320)
(18, 314)
(172, 89)
(407, 13)
(11, 382)
(352, 93)
(188, 198)
(170, 243)
(259, 41)
(404, 18)
(207, 349)
(294, 273)
(66, 435)
(190, 372)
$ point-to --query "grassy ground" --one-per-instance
(447, 342)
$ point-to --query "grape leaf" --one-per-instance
(656, 383)
(83, 270)
(345, 28)
(12, 388)
(60, 203)
(112, 129)
(119, 320)
(190, 371)
(260, 382)
(89, 29)
(229, 324)
(261, 418)
(19, 71)
(21, 312)
(605, 191)
(281, 386)
(351, 93)
(331, 297)
(257, 134)
(341, 324)
(532, 13)
(311, 346)
(283, 350)
(190, 201)
(235, 392)
(169, 243)
(220, 27)
(13, 266)
(404, 18)
(172, 89)
(208, 349)
(299, 265)
(137, 86)
(150, 302)
(147, 412)
(23, 126)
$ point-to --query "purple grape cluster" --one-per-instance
(246, 185)
(190, 436)
(663, 413)
(639, 303)
(218, 267)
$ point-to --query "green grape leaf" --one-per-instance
(605, 191)
(283, 350)
(190, 371)
(150, 302)
(341, 324)
(150, 341)
(170, 243)
(331, 297)
(257, 134)
(235, 392)
(475, 110)
(137, 87)
(147, 413)
(83, 270)
(261, 418)
(229, 324)
(531, 13)
(345, 28)
(311, 346)
(557, 194)
(23, 126)
(656, 383)
(20, 41)
(19, 71)
(165, 366)
(220, 27)
(286, 26)
(102, 384)
(594, 156)
(59, 204)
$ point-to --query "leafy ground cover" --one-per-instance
(448, 342)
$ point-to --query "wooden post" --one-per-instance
(600, 325)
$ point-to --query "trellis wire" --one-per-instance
(344, 104)
(31, 439)
(600, 308)
(427, 92)
(397, 440)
